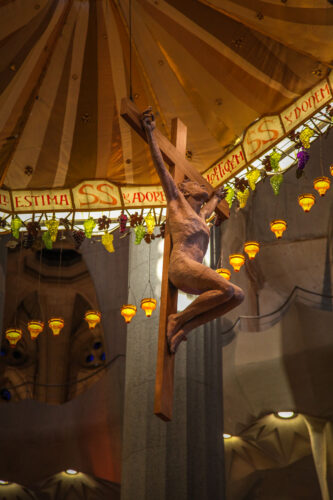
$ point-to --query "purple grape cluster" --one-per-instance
(302, 158)
(122, 221)
(78, 237)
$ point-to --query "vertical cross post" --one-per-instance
(168, 305)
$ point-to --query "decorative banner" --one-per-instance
(101, 194)
(226, 168)
(42, 201)
(306, 105)
(142, 196)
(262, 135)
(96, 194)
(5, 203)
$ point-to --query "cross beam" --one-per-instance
(171, 155)
(174, 155)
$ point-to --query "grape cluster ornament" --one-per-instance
(122, 222)
(274, 159)
(89, 226)
(230, 195)
(252, 178)
(52, 226)
(16, 225)
(305, 136)
(243, 197)
(139, 234)
(107, 241)
(276, 181)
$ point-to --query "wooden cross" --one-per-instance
(174, 155)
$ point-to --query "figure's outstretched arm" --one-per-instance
(212, 203)
(168, 184)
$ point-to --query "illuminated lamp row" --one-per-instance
(128, 311)
(35, 327)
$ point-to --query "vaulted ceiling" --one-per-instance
(217, 65)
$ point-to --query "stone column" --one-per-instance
(182, 459)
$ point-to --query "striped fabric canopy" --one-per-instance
(216, 64)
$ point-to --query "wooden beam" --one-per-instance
(170, 153)
(164, 382)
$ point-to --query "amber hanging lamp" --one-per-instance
(35, 327)
(237, 261)
(128, 311)
(56, 323)
(306, 201)
(251, 248)
(93, 318)
(322, 184)
(13, 335)
(224, 272)
(331, 169)
(278, 227)
(148, 304)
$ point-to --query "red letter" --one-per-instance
(126, 197)
(109, 195)
(84, 193)
(275, 133)
(17, 202)
(257, 141)
(63, 198)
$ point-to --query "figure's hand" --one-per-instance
(148, 120)
(220, 193)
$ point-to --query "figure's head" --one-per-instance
(192, 189)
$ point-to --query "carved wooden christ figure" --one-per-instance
(188, 208)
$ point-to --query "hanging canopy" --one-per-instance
(215, 64)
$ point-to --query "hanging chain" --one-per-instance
(130, 49)
(321, 155)
(39, 278)
(18, 280)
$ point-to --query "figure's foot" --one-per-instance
(175, 340)
(173, 326)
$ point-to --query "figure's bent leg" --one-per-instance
(203, 318)
(193, 277)
(206, 301)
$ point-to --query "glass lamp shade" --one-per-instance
(306, 201)
(128, 311)
(35, 328)
(13, 335)
(331, 169)
(251, 248)
(322, 184)
(92, 318)
(236, 260)
(278, 227)
(56, 325)
(148, 305)
(225, 273)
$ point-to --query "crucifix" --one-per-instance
(190, 201)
